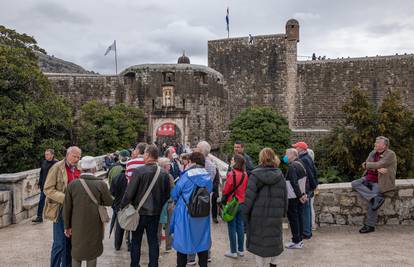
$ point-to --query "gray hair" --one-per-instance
(385, 139)
(163, 161)
(51, 151)
(204, 147)
(292, 151)
(311, 153)
(73, 149)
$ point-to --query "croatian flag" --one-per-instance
(228, 22)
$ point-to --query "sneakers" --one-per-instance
(292, 245)
(193, 262)
(366, 229)
(37, 220)
(230, 255)
(240, 253)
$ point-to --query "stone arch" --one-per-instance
(179, 123)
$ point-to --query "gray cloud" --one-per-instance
(53, 12)
(157, 31)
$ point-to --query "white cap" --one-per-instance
(87, 162)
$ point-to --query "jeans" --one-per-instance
(61, 248)
(236, 228)
(360, 186)
(294, 214)
(90, 263)
(202, 259)
(307, 216)
(41, 204)
(150, 225)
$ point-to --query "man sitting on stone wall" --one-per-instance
(379, 178)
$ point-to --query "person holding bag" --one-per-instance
(146, 194)
(233, 197)
(84, 214)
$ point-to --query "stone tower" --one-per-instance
(292, 38)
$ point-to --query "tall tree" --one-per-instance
(349, 144)
(259, 127)
(101, 129)
(32, 116)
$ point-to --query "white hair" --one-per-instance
(72, 149)
(163, 161)
(292, 151)
(311, 153)
(204, 147)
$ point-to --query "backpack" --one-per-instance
(199, 202)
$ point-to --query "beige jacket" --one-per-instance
(388, 160)
(54, 189)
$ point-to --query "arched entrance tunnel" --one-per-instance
(168, 133)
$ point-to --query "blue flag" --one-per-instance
(228, 22)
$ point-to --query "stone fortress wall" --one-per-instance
(244, 72)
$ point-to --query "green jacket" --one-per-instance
(81, 214)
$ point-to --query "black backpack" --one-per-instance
(199, 202)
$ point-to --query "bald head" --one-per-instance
(73, 155)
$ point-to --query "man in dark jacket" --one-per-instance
(151, 209)
(239, 149)
(118, 187)
(173, 157)
(295, 182)
(44, 169)
(311, 184)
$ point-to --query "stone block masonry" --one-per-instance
(339, 204)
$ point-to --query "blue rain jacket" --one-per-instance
(191, 235)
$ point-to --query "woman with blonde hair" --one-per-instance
(265, 206)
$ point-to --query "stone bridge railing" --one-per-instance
(339, 204)
(19, 194)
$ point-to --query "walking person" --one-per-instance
(265, 205)
(82, 220)
(378, 179)
(136, 161)
(296, 184)
(191, 234)
(47, 163)
(151, 209)
(60, 175)
(235, 186)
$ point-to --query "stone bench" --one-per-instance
(5, 208)
(339, 204)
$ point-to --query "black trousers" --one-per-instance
(202, 259)
(295, 216)
(214, 205)
(149, 224)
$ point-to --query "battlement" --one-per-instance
(351, 59)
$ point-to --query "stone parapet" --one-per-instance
(339, 204)
(19, 194)
(5, 208)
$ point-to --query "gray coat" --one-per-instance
(264, 207)
(81, 214)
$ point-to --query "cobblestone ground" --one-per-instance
(29, 245)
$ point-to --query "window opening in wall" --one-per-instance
(183, 103)
(153, 104)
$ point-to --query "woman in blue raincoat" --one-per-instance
(191, 235)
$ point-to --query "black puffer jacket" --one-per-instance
(264, 207)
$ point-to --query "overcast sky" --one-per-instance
(155, 31)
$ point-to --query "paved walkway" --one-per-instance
(29, 245)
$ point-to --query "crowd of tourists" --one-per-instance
(176, 196)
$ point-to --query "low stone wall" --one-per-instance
(339, 204)
(5, 208)
(19, 194)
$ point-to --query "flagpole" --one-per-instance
(116, 60)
